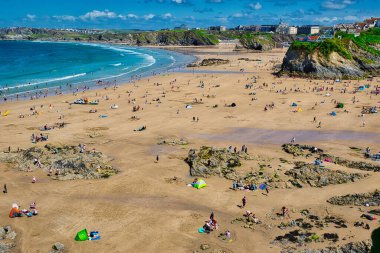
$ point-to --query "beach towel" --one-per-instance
(201, 230)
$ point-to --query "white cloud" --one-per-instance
(65, 18)
(149, 16)
(257, 6)
(350, 18)
(336, 4)
(167, 16)
(31, 17)
(95, 14)
(131, 15)
(326, 19)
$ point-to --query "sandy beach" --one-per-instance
(141, 209)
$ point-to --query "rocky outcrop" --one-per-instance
(300, 150)
(329, 60)
(69, 162)
(257, 42)
(173, 142)
(352, 247)
(317, 176)
(213, 62)
(7, 239)
(351, 164)
(210, 161)
(371, 199)
(208, 62)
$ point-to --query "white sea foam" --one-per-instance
(44, 81)
(116, 64)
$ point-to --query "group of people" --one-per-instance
(37, 138)
(211, 224)
(16, 211)
(244, 149)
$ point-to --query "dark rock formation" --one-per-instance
(300, 150)
(317, 176)
(351, 164)
(209, 62)
(372, 199)
(213, 161)
(352, 247)
(68, 160)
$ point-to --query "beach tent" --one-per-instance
(294, 104)
(333, 113)
(188, 107)
(82, 235)
(340, 105)
(361, 88)
(299, 109)
(200, 184)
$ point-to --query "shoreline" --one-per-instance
(89, 85)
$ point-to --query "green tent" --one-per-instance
(340, 105)
(82, 235)
(200, 184)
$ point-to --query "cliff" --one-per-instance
(248, 40)
(344, 56)
(183, 38)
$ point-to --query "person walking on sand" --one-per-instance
(293, 140)
(244, 202)
(5, 190)
(266, 188)
(211, 215)
(157, 158)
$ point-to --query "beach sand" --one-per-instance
(137, 210)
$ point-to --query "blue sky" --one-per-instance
(157, 14)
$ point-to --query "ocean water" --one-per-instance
(30, 67)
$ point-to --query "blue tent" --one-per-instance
(294, 104)
(333, 113)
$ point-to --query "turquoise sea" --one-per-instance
(48, 67)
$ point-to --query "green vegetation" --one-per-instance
(341, 44)
(364, 41)
(325, 48)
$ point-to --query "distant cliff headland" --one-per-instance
(244, 39)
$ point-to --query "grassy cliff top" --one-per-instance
(341, 44)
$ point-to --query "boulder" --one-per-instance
(210, 161)
(58, 247)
